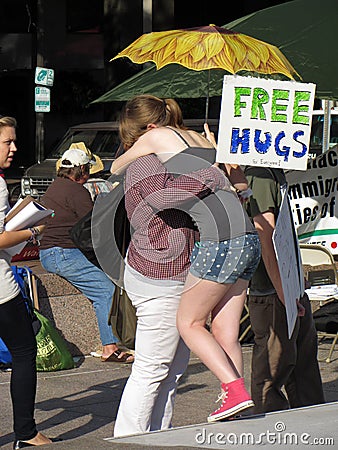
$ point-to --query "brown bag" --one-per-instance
(123, 318)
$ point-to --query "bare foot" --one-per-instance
(109, 349)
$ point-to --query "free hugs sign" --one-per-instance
(265, 122)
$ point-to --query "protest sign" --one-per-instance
(289, 261)
(265, 122)
(314, 200)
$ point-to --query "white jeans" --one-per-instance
(161, 357)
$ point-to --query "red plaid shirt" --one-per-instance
(162, 235)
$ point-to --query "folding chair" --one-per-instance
(245, 332)
(320, 270)
(28, 284)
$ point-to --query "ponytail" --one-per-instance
(143, 110)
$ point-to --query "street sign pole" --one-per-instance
(44, 78)
(39, 116)
(39, 136)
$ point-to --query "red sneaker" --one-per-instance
(235, 398)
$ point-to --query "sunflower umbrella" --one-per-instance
(206, 48)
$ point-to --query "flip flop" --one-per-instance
(115, 357)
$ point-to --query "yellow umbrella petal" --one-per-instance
(224, 62)
(186, 45)
(197, 53)
(162, 58)
(240, 50)
(257, 47)
(213, 46)
(168, 51)
(152, 47)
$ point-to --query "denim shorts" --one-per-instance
(226, 261)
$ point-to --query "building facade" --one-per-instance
(77, 39)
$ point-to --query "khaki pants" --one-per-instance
(278, 361)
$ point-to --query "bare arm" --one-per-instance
(121, 163)
(209, 135)
(145, 145)
(265, 225)
(10, 238)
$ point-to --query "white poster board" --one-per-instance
(314, 200)
(265, 122)
(288, 259)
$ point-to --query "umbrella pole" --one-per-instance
(207, 99)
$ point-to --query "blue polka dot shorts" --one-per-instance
(226, 261)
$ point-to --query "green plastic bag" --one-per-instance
(53, 353)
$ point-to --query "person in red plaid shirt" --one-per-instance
(162, 192)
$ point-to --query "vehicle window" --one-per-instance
(105, 143)
(317, 130)
(100, 142)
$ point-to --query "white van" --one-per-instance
(316, 141)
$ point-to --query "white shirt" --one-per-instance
(9, 287)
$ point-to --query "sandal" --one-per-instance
(115, 357)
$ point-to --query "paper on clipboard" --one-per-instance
(24, 214)
(19, 205)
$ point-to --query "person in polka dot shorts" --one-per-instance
(222, 263)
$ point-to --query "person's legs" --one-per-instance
(226, 318)
(304, 386)
(274, 354)
(72, 265)
(198, 299)
(217, 283)
(151, 387)
(17, 333)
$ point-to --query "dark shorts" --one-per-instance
(226, 261)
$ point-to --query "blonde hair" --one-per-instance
(142, 110)
(6, 121)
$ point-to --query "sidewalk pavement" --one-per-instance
(80, 406)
